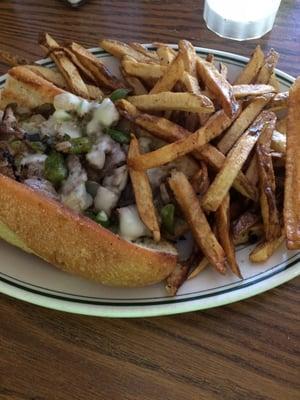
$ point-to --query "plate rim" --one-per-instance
(151, 310)
(288, 271)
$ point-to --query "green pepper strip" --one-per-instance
(167, 216)
(119, 94)
(55, 169)
(118, 136)
(80, 145)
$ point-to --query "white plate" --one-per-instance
(28, 278)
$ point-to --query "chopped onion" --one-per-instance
(131, 226)
(61, 116)
(66, 101)
(78, 199)
(70, 102)
(96, 157)
(84, 107)
(105, 200)
(104, 115)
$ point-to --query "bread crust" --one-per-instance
(27, 89)
(75, 243)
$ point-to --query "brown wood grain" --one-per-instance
(248, 350)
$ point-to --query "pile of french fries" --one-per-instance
(244, 135)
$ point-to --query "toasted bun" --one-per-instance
(76, 244)
(27, 89)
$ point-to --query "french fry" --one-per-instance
(292, 171)
(192, 86)
(242, 91)
(191, 83)
(224, 235)
(200, 180)
(187, 165)
(219, 86)
(172, 74)
(200, 267)
(268, 67)
(13, 59)
(136, 85)
(267, 184)
(172, 101)
(130, 112)
(217, 159)
(170, 152)
(264, 250)
(170, 132)
(278, 142)
(243, 121)
(142, 70)
(252, 170)
(143, 193)
(248, 74)
(49, 74)
(127, 110)
(95, 93)
(84, 71)
(166, 54)
(65, 66)
(158, 126)
(147, 53)
(120, 49)
(243, 224)
(273, 81)
(154, 72)
(281, 125)
(94, 65)
(234, 162)
(185, 145)
(177, 278)
(160, 44)
(253, 234)
(279, 102)
(203, 235)
(189, 57)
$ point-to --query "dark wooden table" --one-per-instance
(247, 350)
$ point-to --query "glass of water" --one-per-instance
(239, 19)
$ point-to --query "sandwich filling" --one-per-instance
(75, 151)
